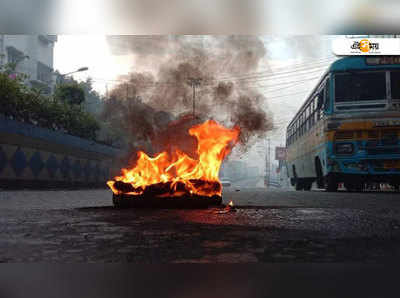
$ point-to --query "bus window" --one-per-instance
(305, 119)
(314, 104)
(395, 84)
(316, 115)
(326, 95)
(360, 86)
(299, 127)
(312, 112)
(308, 123)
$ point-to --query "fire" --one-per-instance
(230, 204)
(181, 173)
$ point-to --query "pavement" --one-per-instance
(266, 226)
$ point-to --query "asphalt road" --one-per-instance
(267, 226)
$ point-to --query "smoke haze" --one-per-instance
(170, 63)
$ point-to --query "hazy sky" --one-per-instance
(75, 51)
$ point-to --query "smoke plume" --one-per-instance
(148, 100)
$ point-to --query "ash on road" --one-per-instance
(269, 226)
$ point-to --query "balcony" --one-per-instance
(48, 38)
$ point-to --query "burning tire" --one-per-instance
(183, 202)
(118, 201)
(176, 179)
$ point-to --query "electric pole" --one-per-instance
(194, 82)
(268, 162)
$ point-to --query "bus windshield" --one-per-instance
(395, 84)
(360, 86)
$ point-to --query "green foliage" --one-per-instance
(93, 100)
(71, 93)
(9, 70)
(28, 105)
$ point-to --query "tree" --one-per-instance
(24, 104)
(71, 93)
(93, 100)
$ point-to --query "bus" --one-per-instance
(348, 130)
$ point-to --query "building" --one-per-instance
(33, 56)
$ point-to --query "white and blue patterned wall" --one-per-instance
(29, 153)
(18, 162)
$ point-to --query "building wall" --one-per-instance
(39, 48)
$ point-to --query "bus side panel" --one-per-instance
(302, 154)
(291, 157)
(321, 149)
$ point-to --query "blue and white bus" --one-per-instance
(348, 129)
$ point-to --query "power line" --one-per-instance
(291, 82)
(284, 74)
(295, 93)
(285, 83)
(282, 88)
(269, 77)
(271, 72)
(248, 76)
(318, 61)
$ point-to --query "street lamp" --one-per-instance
(60, 77)
(78, 70)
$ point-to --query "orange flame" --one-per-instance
(214, 143)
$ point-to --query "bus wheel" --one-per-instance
(331, 184)
(318, 171)
(307, 185)
(299, 184)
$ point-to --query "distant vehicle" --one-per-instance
(348, 130)
(226, 183)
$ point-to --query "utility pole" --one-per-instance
(268, 162)
(194, 82)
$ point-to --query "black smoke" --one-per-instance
(164, 87)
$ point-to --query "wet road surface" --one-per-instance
(267, 226)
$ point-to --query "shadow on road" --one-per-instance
(357, 192)
(238, 207)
